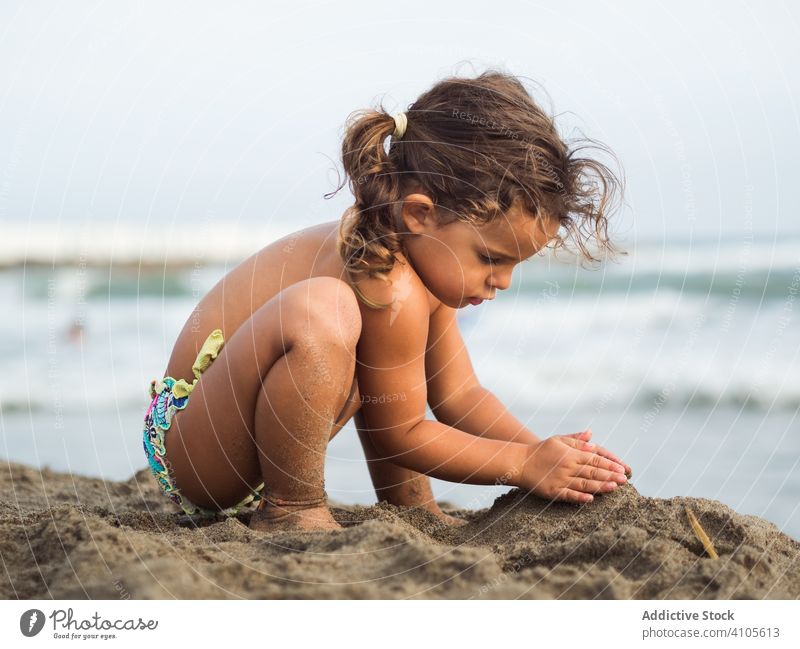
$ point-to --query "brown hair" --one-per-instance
(475, 146)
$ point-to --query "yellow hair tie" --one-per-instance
(400, 125)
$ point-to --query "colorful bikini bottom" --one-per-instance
(167, 397)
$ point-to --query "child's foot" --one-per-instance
(450, 520)
(314, 518)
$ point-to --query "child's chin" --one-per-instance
(459, 303)
(453, 302)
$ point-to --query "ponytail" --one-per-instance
(368, 238)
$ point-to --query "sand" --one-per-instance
(65, 536)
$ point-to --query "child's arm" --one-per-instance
(455, 396)
(391, 377)
(458, 399)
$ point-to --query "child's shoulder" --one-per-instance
(404, 291)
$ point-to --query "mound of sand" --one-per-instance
(65, 536)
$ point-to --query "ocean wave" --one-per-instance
(707, 398)
(163, 245)
(103, 284)
(651, 401)
(65, 405)
(172, 245)
(763, 284)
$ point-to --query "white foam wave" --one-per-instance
(624, 351)
(186, 243)
(160, 244)
(735, 254)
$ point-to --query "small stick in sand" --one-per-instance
(700, 533)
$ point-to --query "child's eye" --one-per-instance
(488, 260)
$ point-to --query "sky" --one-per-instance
(150, 113)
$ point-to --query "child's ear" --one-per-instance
(418, 213)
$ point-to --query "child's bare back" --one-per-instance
(300, 256)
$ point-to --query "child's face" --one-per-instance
(453, 261)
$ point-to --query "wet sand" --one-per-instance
(65, 536)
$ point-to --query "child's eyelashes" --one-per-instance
(488, 260)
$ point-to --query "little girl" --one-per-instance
(357, 318)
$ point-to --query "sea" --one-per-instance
(681, 356)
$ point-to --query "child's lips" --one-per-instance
(475, 301)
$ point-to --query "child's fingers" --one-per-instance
(591, 486)
(572, 496)
(593, 473)
(609, 455)
(579, 444)
(600, 462)
(584, 435)
(590, 456)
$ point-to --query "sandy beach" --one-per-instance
(65, 536)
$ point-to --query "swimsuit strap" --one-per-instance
(208, 352)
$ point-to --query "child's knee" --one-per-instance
(326, 309)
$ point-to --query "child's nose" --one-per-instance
(500, 280)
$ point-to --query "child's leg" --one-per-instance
(265, 407)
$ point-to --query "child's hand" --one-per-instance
(586, 435)
(567, 468)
